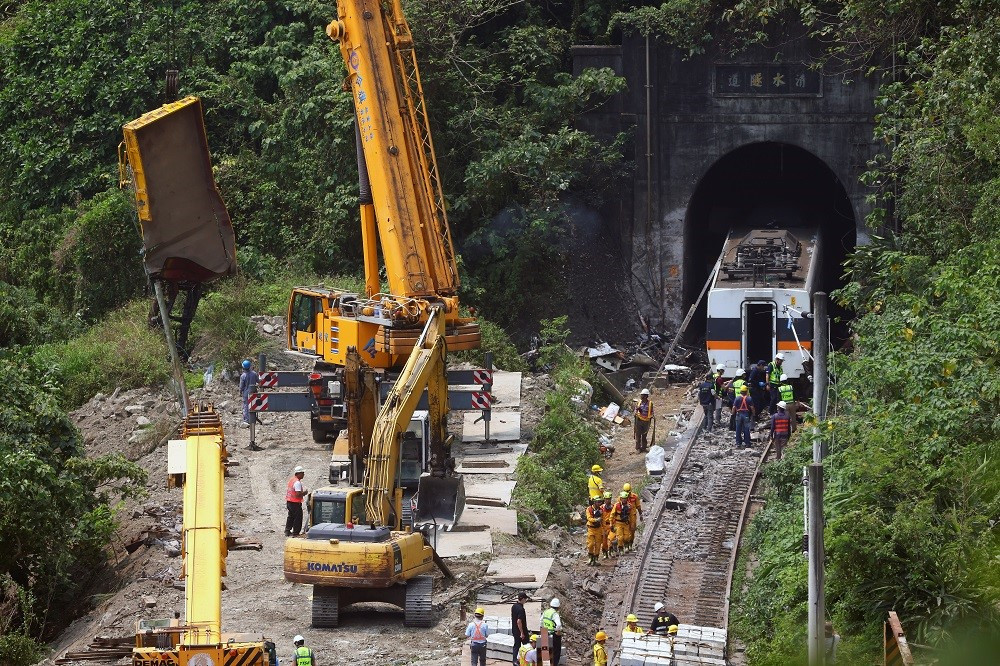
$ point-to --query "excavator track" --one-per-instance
(418, 612)
(325, 607)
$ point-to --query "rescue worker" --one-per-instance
(595, 484)
(745, 412)
(632, 625)
(476, 632)
(706, 398)
(303, 656)
(528, 654)
(553, 625)
(720, 390)
(787, 393)
(600, 654)
(643, 418)
(519, 625)
(662, 620)
(635, 515)
(595, 529)
(607, 525)
(774, 380)
(734, 385)
(248, 383)
(757, 381)
(780, 429)
(294, 494)
(621, 511)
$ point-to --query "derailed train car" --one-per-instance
(761, 299)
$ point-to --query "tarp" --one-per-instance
(186, 231)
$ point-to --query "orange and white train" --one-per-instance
(760, 302)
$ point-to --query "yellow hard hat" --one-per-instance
(600, 636)
(744, 389)
(533, 638)
(631, 618)
(596, 468)
(672, 629)
(480, 611)
(627, 487)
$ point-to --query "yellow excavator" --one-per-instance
(402, 211)
(197, 462)
(357, 548)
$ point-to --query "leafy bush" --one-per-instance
(24, 320)
(121, 351)
(20, 650)
(496, 340)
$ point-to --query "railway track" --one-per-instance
(688, 548)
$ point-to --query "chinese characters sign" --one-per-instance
(780, 80)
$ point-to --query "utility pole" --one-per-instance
(814, 476)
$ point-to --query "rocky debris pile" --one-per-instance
(272, 326)
(165, 530)
(126, 422)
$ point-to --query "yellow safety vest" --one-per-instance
(303, 656)
(600, 655)
(596, 485)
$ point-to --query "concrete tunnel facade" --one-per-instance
(720, 141)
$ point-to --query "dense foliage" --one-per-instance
(57, 513)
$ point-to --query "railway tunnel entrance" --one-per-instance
(766, 185)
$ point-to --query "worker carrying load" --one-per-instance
(635, 515)
(595, 529)
(663, 621)
(600, 654)
(632, 625)
(608, 539)
(623, 531)
(595, 484)
(643, 419)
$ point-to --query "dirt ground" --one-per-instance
(142, 583)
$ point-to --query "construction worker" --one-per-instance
(734, 385)
(623, 532)
(294, 494)
(528, 654)
(595, 529)
(607, 525)
(248, 384)
(774, 380)
(595, 484)
(477, 632)
(303, 656)
(720, 390)
(662, 620)
(745, 412)
(706, 398)
(757, 381)
(787, 393)
(643, 418)
(600, 654)
(519, 624)
(552, 624)
(632, 625)
(780, 429)
(635, 515)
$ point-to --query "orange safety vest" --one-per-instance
(644, 411)
(477, 633)
(594, 521)
(290, 494)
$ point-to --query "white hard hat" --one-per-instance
(721, 366)
(298, 468)
(779, 356)
(658, 606)
(784, 377)
(740, 371)
(644, 392)
(782, 404)
(554, 603)
(298, 639)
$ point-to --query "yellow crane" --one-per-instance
(197, 462)
(402, 210)
(357, 552)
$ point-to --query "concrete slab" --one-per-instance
(506, 390)
(501, 490)
(504, 427)
(496, 518)
(518, 567)
(532, 612)
(457, 544)
(483, 463)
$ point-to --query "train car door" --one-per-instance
(759, 319)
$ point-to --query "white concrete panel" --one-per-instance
(537, 567)
(457, 544)
(504, 427)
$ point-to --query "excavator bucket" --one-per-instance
(439, 501)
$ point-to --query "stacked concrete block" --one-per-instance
(645, 650)
(500, 646)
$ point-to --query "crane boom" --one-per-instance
(395, 137)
